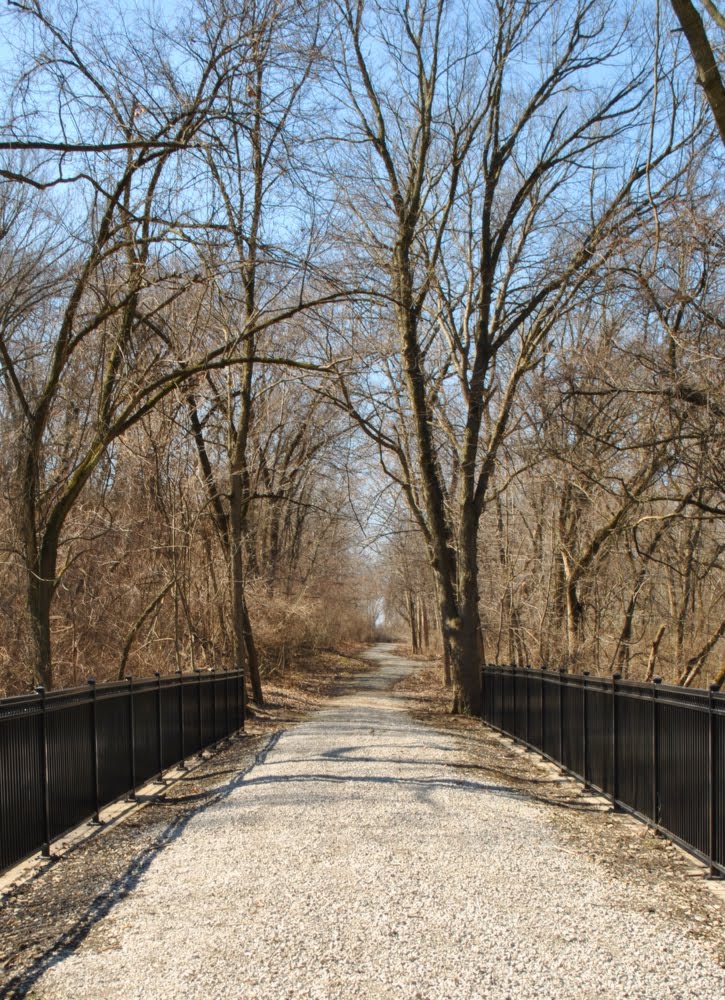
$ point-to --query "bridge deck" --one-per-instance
(355, 861)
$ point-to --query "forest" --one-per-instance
(321, 321)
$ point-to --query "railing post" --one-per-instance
(562, 671)
(713, 780)
(201, 738)
(44, 778)
(615, 740)
(543, 708)
(182, 742)
(240, 700)
(496, 697)
(585, 728)
(655, 753)
(159, 724)
(514, 727)
(527, 678)
(213, 706)
(499, 692)
(132, 736)
(94, 736)
(244, 697)
(227, 723)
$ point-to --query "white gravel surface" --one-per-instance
(354, 862)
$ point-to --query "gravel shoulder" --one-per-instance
(367, 853)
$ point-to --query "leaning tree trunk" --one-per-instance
(574, 613)
(41, 587)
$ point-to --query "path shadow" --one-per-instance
(421, 785)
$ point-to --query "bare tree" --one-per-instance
(109, 322)
(249, 156)
(470, 164)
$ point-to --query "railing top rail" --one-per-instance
(667, 693)
(25, 704)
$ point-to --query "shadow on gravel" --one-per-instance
(419, 784)
(66, 944)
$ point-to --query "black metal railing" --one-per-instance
(656, 751)
(64, 755)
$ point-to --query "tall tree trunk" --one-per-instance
(445, 644)
(40, 551)
(40, 591)
(465, 632)
(252, 655)
(240, 618)
(465, 664)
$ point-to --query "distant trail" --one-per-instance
(353, 862)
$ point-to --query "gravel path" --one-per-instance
(355, 862)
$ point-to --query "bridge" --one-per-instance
(366, 853)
